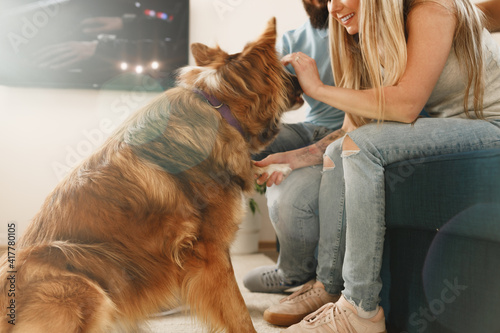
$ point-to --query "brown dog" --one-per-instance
(146, 222)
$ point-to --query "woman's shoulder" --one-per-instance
(448, 5)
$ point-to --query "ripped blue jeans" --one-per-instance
(352, 194)
(293, 206)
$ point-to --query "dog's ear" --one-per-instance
(204, 55)
(269, 34)
(267, 39)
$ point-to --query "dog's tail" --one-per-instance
(62, 287)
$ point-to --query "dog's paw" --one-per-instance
(271, 168)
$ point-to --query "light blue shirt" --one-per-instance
(314, 43)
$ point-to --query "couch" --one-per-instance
(441, 265)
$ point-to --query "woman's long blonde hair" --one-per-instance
(357, 60)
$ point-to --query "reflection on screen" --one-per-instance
(89, 43)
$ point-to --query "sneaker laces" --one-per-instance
(271, 278)
(332, 313)
(303, 292)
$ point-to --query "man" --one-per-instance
(293, 206)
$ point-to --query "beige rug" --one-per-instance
(256, 303)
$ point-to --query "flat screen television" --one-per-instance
(92, 43)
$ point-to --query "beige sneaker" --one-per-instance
(294, 308)
(340, 317)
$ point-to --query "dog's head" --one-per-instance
(253, 83)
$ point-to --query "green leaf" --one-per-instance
(261, 189)
(254, 207)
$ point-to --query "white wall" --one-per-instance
(232, 23)
(44, 131)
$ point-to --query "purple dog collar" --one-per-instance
(223, 110)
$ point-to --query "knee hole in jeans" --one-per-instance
(349, 147)
(328, 163)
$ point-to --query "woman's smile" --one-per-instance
(345, 12)
(346, 19)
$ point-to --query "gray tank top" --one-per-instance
(447, 98)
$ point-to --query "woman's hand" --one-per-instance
(306, 70)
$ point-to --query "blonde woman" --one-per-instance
(390, 59)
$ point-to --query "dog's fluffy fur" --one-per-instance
(146, 222)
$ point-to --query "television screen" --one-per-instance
(92, 43)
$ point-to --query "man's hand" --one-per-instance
(295, 159)
(272, 175)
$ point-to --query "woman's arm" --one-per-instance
(431, 29)
(492, 11)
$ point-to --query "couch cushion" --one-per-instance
(426, 193)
